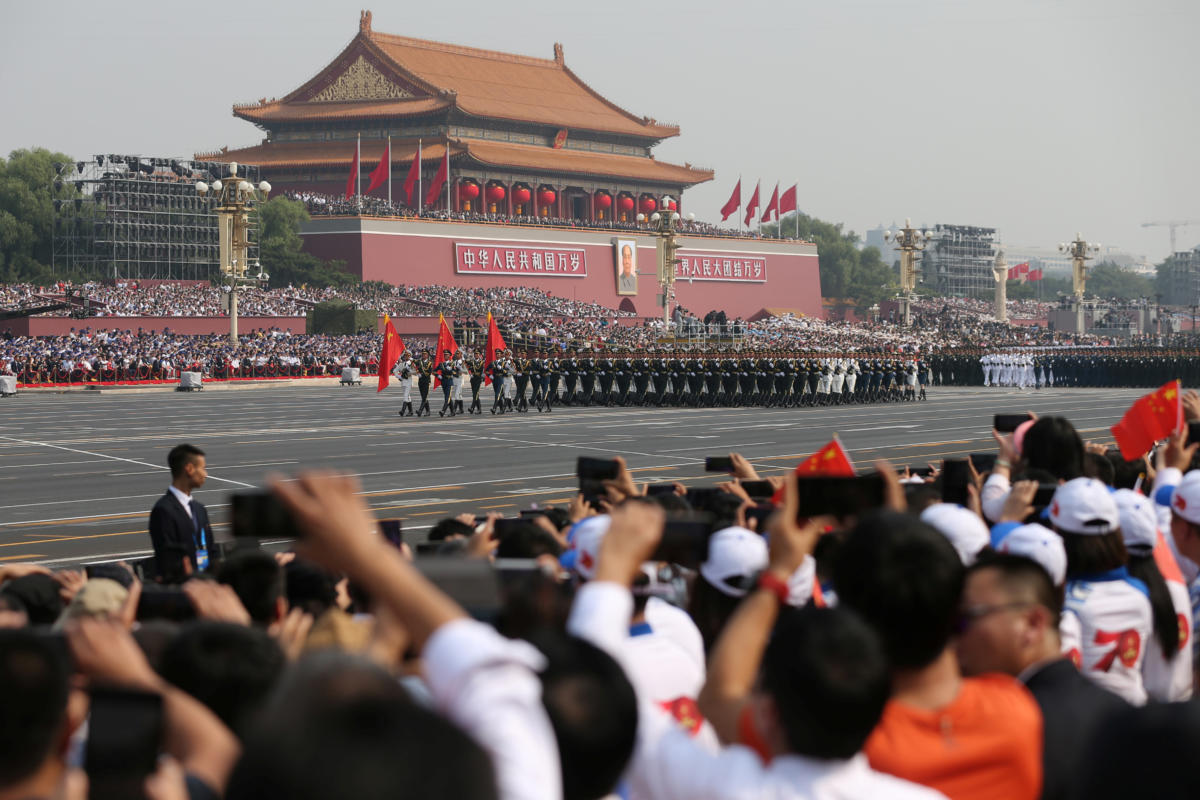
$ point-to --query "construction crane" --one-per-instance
(1172, 226)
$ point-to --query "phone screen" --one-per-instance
(597, 469)
(260, 515)
(685, 540)
(718, 464)
(983, 462)
(125, 731)
(660, 488)
(956, 476)
(392, 530)
(758, 488)
(839, 496)
(1007, 423)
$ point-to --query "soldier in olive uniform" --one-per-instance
(424, 375)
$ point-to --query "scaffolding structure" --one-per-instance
(1183, 278)
(958, 260)
(139, 218)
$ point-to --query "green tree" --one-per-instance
(846, 271)
(279, 245)
(28, 190)
(1109, 280)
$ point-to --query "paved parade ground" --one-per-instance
(79, 472)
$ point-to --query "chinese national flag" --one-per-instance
(1012, 273)
(787, 201)
(352, 181)
(733, 203)
(445, 342)
(494, 342)
(393, 346)
(1034, 274)
(1022, 268)
(439, 180)
(831, 461)
(1152, 417)
(752, 205)
(772, 206)
(414, 174)
(381, 173)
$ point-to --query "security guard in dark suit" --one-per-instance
(179, 528)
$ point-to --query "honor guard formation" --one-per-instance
(523, 380)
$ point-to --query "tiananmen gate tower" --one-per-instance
(527, 138)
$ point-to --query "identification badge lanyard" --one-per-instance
(200, 544)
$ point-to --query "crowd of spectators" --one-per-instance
(1026, 633)
(319, 205)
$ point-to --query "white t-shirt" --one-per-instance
(1171, 681)
(1116, 624)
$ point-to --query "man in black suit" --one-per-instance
(179, 528)
(1010, 617)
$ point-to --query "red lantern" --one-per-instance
(469, 191)
(546, 197)
(626, 203)
(495, 193)
(603, 201)
(521, 195)
(671, 206)
(648, 205)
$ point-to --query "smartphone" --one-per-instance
(700, 497)
(125, 731)
(596, 469)
(1044, 494)
(392, 530)
(760, 515)
(164, 602)
(1007, 423)
(530, 513)
(983, 462)
(956, 475)
(260, 515)
(114, 572)
(758, 488)
(685, 539)
(718, 464)
(839, 496)
(921, 472)
(660, 488)
(505, 526)
(470, 582)
(1193, 432)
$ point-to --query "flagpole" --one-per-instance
(420, 189)
(448, 176)
(358, 172)
(389, 159)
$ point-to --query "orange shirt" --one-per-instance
(986, 744)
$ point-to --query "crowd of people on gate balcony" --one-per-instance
(319, 205)
(1022, 630)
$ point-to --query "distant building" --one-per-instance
(887, 250)
(958, 260)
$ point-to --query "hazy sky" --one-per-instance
(1038, 118)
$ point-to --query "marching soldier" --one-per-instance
(404, 370)
(445, 374)
(424, 376)
(521, 381)
(499, 374)
(475, 368)
(460, 374)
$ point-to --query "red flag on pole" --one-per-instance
(1022, 268)
(787, 201)
(414, 174)
(380, 173)
(772, 206)
(733, 203)
(393, 346)
(752, 206)
(494, 342)
(1035, 274)
(831, 461)
(439, 180)
(445, 342)
(1152, 417)
(352, 181)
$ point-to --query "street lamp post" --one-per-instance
(664, 223)
(1000, 271)
(1078, 251)
(910, 241)
(235, 197)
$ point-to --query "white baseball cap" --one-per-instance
(1085, 506)
(1185, 501)
(1139, 523)
(965, 530)
(585, 540)
(735, 556)
(1038, 543)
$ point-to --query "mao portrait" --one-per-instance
(626, 266)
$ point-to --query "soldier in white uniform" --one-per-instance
(460, 371)
(404, 371)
